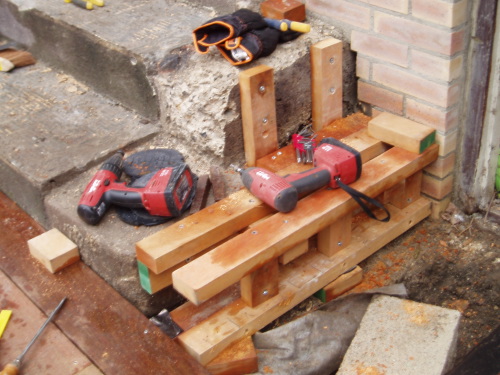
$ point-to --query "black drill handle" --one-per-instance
(309, 181)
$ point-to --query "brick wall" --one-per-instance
(410, 62)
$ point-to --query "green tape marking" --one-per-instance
(144, 277)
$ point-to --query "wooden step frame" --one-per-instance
(236, 289)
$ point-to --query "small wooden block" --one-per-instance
(335, 237)
(292, 10)
(405, 192)
(261, 285)
(401, 132)
(326, 82)
(54, 250)
(258, 112)
(238, 359)
(341, 285)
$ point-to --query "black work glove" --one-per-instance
(250, 46)
(220, 29)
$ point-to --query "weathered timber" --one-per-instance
(258, 112)
(298, 280)
(229, 262)
(326, 82)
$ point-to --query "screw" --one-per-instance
(264, 120)
(262, 89)
(333, 90)
(339, 243)
(265, 293)
(332, 60)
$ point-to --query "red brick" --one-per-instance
(380, 97)
(439, 118)
(440, 12)
(382, 49)
(362, 67)
(435, 187)
(443, 95)
(417, 34)
(436, 67)
(443, 166)
(400, 6)
(342, 11)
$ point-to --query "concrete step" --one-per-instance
(116, 49)
(125, 76)
(52, 129)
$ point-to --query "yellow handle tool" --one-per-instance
(13, 367)
(82, 4)
(285, 25)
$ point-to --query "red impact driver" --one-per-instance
(270, 188)
(166, 193)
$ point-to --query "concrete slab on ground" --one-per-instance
(398, 336)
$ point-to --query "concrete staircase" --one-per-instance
(124, 76)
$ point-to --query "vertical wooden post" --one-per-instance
(261, 285)
(326, 82)
(335, 237)
(404, 193)
(258, 112)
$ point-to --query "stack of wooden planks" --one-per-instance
(241, 265)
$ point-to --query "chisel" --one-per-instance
(13, 367)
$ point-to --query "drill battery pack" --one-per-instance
(343, 161)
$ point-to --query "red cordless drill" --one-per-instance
(167, 192)
(270, 188)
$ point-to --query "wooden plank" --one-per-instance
(326, 82)
(294, 252)
(218, 183)
(238, 359)
(61, 355)
(402, 132)
(341, 284)
(201, 196)
(258, 112)
(229, 262)
(260, 285)
(113, 334)
(205, 340)
(171, 245)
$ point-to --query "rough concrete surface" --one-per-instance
(52, 128)
(398, 336)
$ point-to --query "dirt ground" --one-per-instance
(453, 262)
